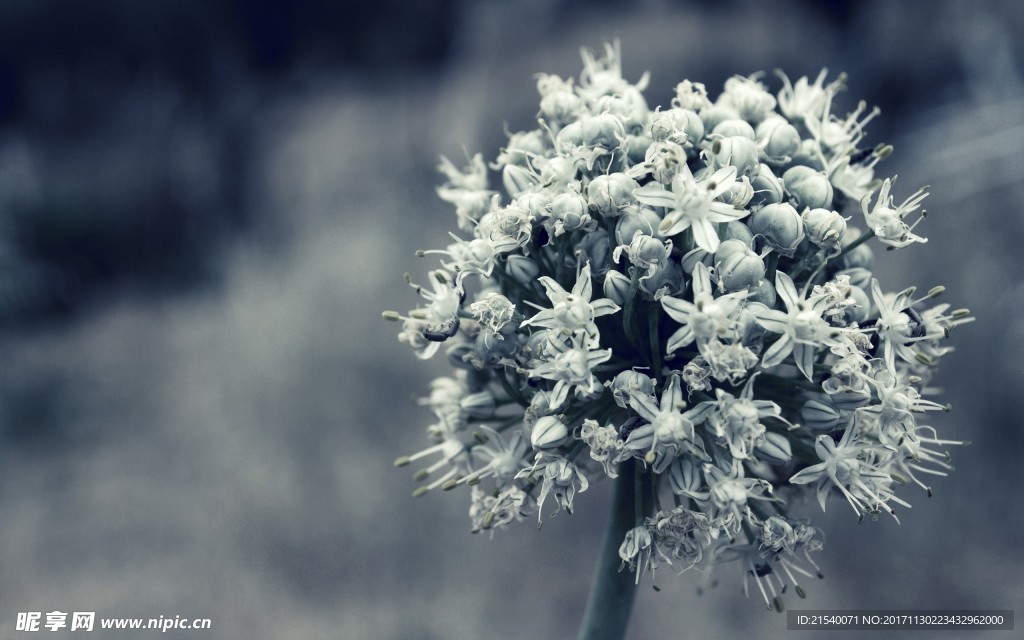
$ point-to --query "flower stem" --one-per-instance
(612, 591)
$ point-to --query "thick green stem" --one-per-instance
(612, 591)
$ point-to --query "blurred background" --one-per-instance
(204, 206)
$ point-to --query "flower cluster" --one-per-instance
(677, 291)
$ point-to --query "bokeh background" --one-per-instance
(204, 206)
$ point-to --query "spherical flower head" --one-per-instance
(673, 299)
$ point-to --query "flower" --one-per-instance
(693, 203)
(802, 327)
(573, 313)
(887, 222)
(716, 232)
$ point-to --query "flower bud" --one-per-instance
(644, 250)
(610, 194)
(684, 476)
(695, 256)
(489, 352)
(850, 400)
(521, 147)
(767, 187)
(561, 106)
(522, 269)
(458, 355)
(825, 228)
(630, 383)
(820, 415)
(857, 312)
(667, 276)
(616, 287)
(596, 248)
(808, 155)
(808, 188)
(779, 139)
(735, 230)
(602, 130)
(716, 113)
(762, 291)
(775, 449)
(734, 127)
(548, 433)
(518, 179)
(534, 202)
(571, 210)
(738, 267)
(740, 193)
(682, 126)
(636, 146)
(780, 225)
(736, 151)
(644, 220)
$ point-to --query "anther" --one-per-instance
(391, 316)
(402, 461)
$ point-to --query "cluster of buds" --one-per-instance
(680, 288)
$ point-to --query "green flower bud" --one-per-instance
(716, 113)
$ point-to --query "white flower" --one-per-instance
(573, 312)
(737, 421)
(571, 367)
(705, 318)
(636, 551)
(887, 222)
(802, 327)
(850, 466)
(502, 460)
(693, 203)
(669, 431)
(559, 477)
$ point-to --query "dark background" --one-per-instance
(204, 206)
